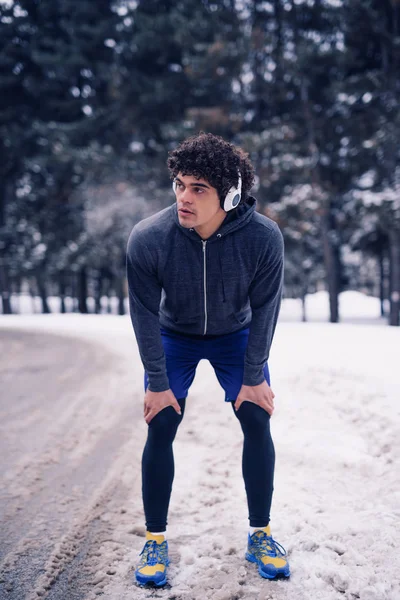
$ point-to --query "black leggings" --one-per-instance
(258, 463)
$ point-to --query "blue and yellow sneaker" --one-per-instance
(268, 554)
(153, 564)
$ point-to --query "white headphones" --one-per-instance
(232, 198)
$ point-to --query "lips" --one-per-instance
(184, 211)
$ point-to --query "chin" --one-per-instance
(185, 223)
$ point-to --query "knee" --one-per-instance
(253, 419)
(164, 425)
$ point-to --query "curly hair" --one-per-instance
(210, 157)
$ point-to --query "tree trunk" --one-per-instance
(303, 308)
(74, 292)
(330, 247)
(61, 288)
(41, 286)
(32, 295)
(394, 254)
(382, 286)
(5, 288)
(382, 281)
(304, 288)
(82, 291)
(119, 283)
(97, 292)
(332, 267)
(108, 291)
(17, 298)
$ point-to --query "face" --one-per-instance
(198, 204)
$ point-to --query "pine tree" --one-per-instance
(177, 62)
(372, 32)
(297, 215)
(13, 139)
(293, 64)
(58, 54)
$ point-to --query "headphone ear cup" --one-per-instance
(233, 196)
(232, 199)
(174, 186)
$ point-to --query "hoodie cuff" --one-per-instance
(158, 382)
(253, 375)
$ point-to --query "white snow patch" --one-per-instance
(354, 307)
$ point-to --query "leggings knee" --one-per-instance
(254, 420)
(163, 427)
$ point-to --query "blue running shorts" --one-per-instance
(225, 353)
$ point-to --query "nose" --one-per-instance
(185, 196)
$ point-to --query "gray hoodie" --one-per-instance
(231, 281)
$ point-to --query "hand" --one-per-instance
(258, 394)
(154, 402)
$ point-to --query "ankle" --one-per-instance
(158, 536)
(265, 528)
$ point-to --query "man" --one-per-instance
(205, 281)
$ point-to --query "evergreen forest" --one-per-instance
(93, 95)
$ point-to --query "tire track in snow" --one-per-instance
(58, 482)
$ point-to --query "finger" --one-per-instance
(271, 404)
(239, 402)
(270, 398)
(150, 415)
(268, 408)
(177, 407)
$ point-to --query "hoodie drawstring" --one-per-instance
(220, 269)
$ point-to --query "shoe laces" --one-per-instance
(154, 553)
(266, 545)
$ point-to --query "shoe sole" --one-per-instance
(278, 575)
(152, 582)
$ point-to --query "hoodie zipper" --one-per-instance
(205, 286)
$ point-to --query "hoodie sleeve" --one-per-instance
(265, 298)
(144, 302)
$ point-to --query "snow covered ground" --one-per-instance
(336, 504)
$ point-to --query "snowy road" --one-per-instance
(67, 443)
(71, 436)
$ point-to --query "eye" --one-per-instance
(198, 190)
(178, 185)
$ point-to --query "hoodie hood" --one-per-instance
(234, 220)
